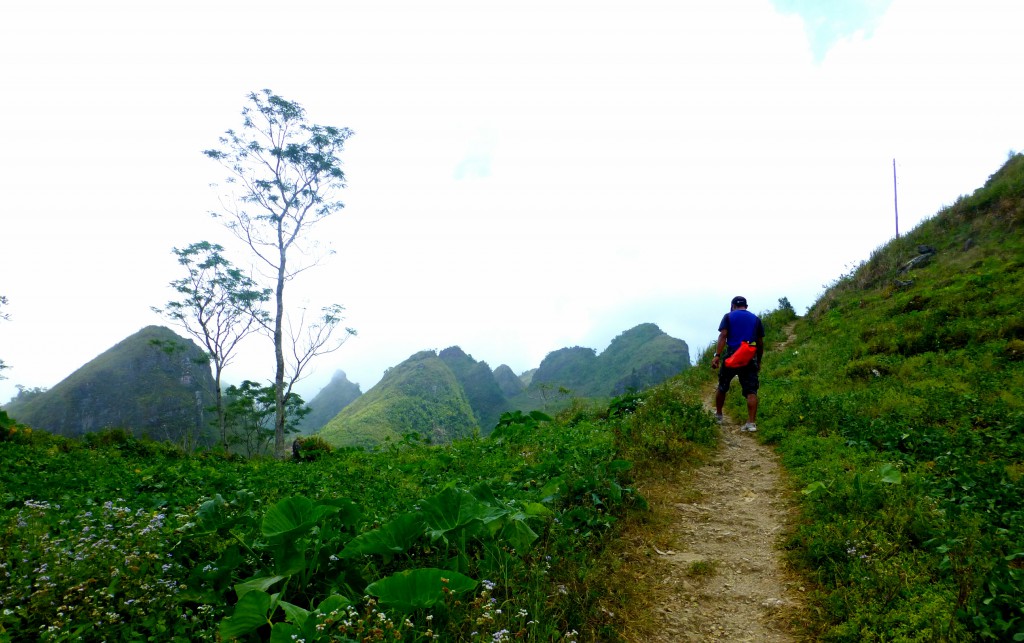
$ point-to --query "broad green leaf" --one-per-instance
(288, 558)
(348, 511)
(293, 516)
(518, 533)
(890, 474)
(452, 509)
(285, 633)
(419, 588)
(294, 613)
(553, 488)
(250, 613)
(814, 487)
(536, 509)
(332, 603)
(389, 539)
(262, 584)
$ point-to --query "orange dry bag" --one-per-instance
(742, 356)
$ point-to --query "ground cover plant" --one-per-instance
(499, 538)
(899, 410)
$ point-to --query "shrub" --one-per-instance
(309, 448)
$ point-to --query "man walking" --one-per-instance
(739, 326)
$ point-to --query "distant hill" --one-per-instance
(509, 383)
(445, 395)
(159, 391)
(421, 395)
(331, 399)
(638, 358)
(482, 390)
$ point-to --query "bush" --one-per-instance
(309, 448)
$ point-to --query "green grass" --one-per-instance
(899, 411)
(121, 539)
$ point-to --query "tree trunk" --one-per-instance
(279, 450)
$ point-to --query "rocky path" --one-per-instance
(719, 574)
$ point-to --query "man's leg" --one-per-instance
(719, 401)
(752, 408)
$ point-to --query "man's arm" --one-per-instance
(723, 335)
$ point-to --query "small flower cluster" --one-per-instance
(496, 622)
(372, 624)
(104, 567)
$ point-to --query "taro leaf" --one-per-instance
(332, 603)
(285, 633)
(419, 588)
(387, 540)
(262, 584)
(250, 613)
(453, 509)
(294, 516)
(294, 613)
(552, 489)
(483, 493)
(348, 512)
(890, 474)
(518, 533)
(814, 487)
(288, 558)
(536, 509)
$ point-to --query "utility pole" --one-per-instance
(895, 201)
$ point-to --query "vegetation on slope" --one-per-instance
(154, 382)
(331, 399)
(899, 410)
(491, 539)
(638, 358)
(420, 396)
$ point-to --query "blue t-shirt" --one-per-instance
(743, 326)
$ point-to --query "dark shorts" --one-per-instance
(749, 381)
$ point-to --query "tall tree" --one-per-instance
(287, 176)
(219, 306)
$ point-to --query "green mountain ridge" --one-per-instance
(407, 400)
(421, 395)
(328, 402)
(161, 391)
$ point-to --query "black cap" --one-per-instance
(739, 302)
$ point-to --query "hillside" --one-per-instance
(159, 391)
(899, 413)
(331, 399)
(480, 385)
(638, 358)
(421, 395)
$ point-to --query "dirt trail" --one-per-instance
(724, 579)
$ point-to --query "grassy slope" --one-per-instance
(422, 391)
(899, 410)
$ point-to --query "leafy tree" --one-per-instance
(287, 176)
(250, 413)
(219, 306)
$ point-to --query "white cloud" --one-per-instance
(524, 176)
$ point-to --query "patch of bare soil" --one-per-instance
(714, 571)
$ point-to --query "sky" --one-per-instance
(524, 176)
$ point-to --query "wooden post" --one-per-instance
(895, 201)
